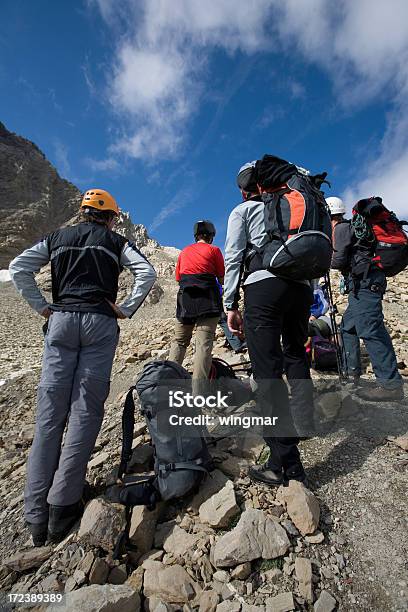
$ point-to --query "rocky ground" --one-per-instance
(340, 544)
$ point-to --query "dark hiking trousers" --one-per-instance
(77, 363)
(278, 309)
(364, 319)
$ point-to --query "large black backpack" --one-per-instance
(297, 221)
(181, 457)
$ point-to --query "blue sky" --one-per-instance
(161, 101)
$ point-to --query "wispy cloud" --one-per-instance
(86, 71)
(180, 200)
(61, 158)
(103, 165)
(160, 64)
(53, 98)
(159, 67)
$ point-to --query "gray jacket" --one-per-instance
(24, 267)
(246, 227)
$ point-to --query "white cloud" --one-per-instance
(61, 158)
(103, 165)
(391, 183)
(177, 203)
(160, 65)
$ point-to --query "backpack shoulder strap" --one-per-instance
(128, 424)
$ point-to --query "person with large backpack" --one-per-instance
(199, 272)
(80, 343)
(370, 248)
(279, 237)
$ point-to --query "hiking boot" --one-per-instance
(62, 519)
(265, 474)
(381, 394)
(38, 532)
(296, 472)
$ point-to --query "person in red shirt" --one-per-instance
(200, 274)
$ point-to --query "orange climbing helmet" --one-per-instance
(99, 199)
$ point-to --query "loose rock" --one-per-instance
(280, 603)
(302, 506)
(325, 603)
(96, 598)
(255, 536)
(102, 523)
(28, 559)
(170, 583)
(219, 509)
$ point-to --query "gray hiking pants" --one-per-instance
(77, 363)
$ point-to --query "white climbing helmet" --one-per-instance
(336, 206)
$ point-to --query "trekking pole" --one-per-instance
(340, 354)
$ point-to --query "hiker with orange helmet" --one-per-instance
(80, 342)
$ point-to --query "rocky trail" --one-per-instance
(234, 546)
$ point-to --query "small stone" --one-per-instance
(179, 542)
(325, 603)
(142, 528)
(242, 571)
(50, 584)
(118, 575)
(221, 576)
(316, 538)
(280, 603)
(273, 575)
(99, 572)
(86, 562)
(97, 598)
(301, 505)
(228, 606)
(256, 535)
(102, 523)
(79, 577)
(70, 584)
(28, 559)
(290, 528)
(135, 579)
(211, 484)
(303, 570)
(98, 460)
(171, 583)
(219, 509)
(208, 601)
(152, 555)
(326, 572)
(401, 441)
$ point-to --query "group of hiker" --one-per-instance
(282, 237)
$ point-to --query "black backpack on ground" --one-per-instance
(181, 457)
(297, 221)
(224, 379)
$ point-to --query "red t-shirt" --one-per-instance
(200, 258)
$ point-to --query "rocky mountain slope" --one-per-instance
(35, 200)
(234, 546)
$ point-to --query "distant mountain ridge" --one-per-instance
(35, 200)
